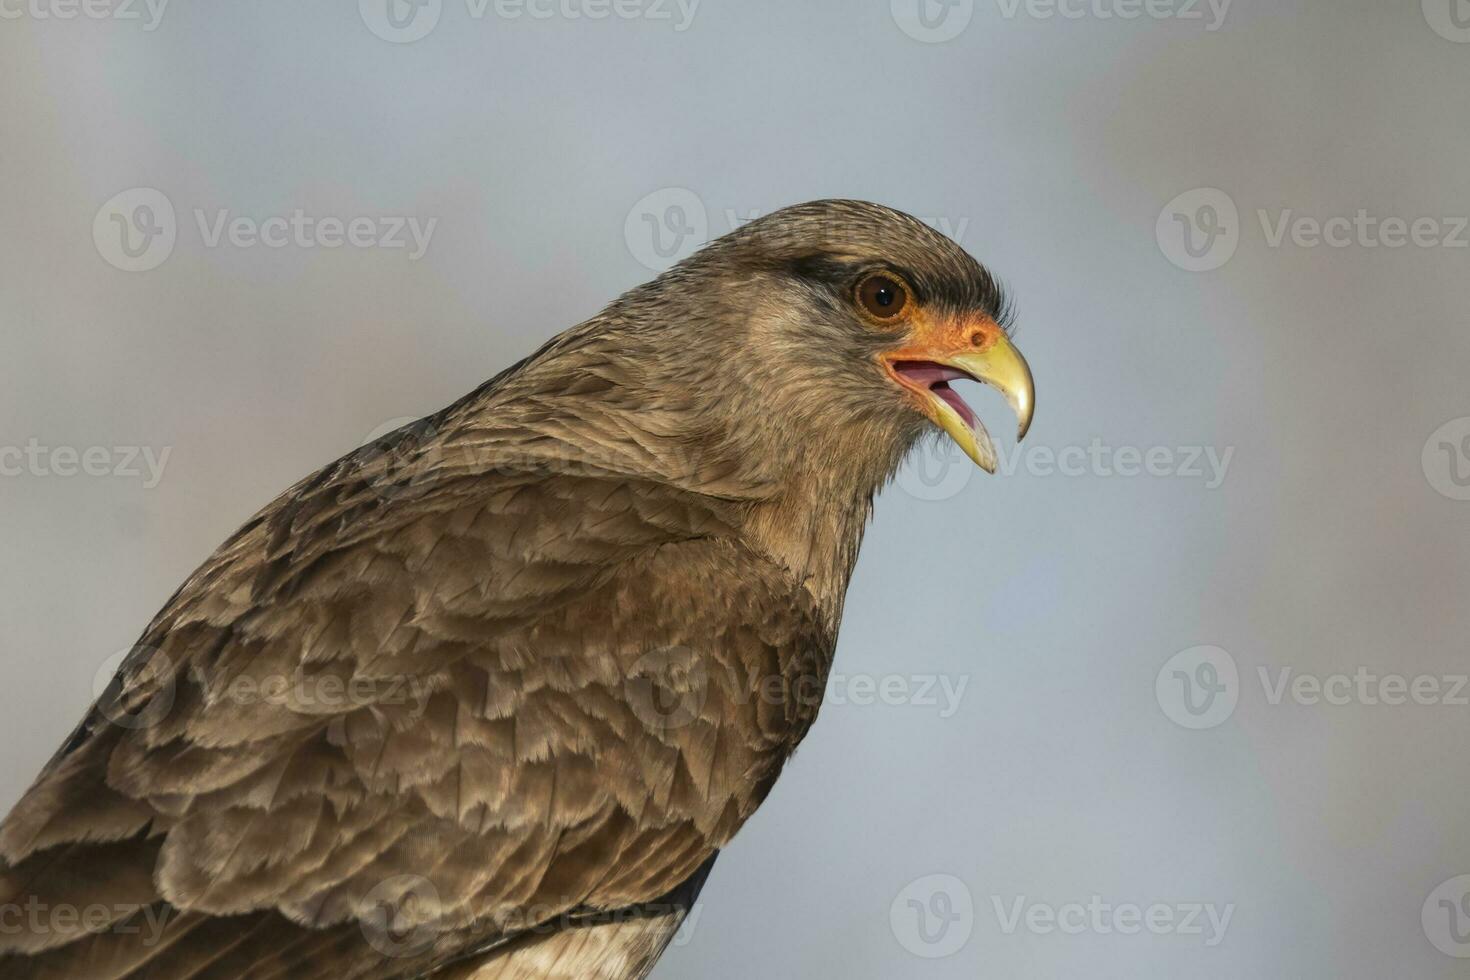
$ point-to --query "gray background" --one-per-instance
(1052, 145)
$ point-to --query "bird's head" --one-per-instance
(843, 316)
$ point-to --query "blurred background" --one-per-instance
(1180, 692)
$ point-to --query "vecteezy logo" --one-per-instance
(1449, 18)
(1446, 459)
(136, 230)
(933, 21)
(1446, 917)
(1199, 230)
(666, 227)
(933, 916)
(392, 425)
(401, 21)
(667, 688)
(134, 688)
(1198, 687)
(402, 472)
(935, 470)
(398, 915)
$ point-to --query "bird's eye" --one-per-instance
(882, 296)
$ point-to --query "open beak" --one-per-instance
(994, 361)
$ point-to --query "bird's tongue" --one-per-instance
(953, 399)
(936, 377)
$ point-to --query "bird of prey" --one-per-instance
(486, 697)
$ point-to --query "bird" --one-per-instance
(485, 698)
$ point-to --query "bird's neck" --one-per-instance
(813, 524)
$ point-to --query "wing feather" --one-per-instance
(417, 704)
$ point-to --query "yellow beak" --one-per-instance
(1002, 367)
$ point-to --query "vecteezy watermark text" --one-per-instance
(150, 12)
(136, 688)
(1362, 230)
(669, 688)
(937, 21)
(934, 916)
(896, 690)
(137, 230)
(1201, 230)
(1101, 918)
(36, 917)
(938, 469)
(1201, 687)
(302, 230)
(406, 21)
(1363, 686)
(125, 462)
(1211, 12)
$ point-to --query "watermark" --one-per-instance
(669, 225)
(546, 918)
(1446, 459)
(1446, 917)
(940, 691)
(666, 227)
(668, 689)
(937, 21)
(401, 21)
(36, 917)
(1364, 686)
(147, 12)
(1210, 13)
(399, 916)
(933, 916)
(1362, 230)
(136, 687)
(301, 230)
(1450, 19)
(404, 914)
(35, 459)
(404, 464)
(932, 21)
(1201, 230)
(1200, 688)
(136, 230)
(939, 470)
(406, 21)
(1097, 917)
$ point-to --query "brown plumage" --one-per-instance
(483, 699)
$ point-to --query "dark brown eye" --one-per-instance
(883, 297)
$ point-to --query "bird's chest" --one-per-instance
(750, 653)
(723, 664)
